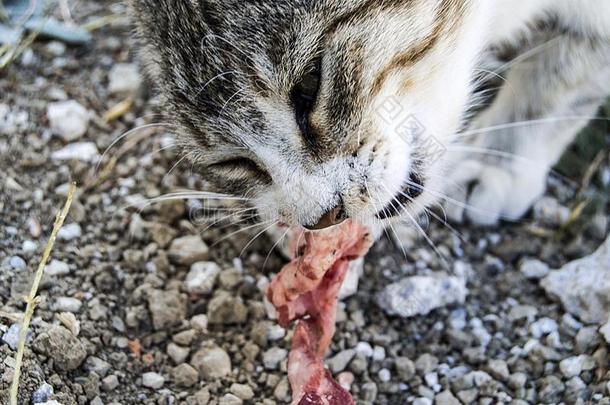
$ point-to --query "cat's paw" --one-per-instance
(485, 192)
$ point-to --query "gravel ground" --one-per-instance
(148, 303)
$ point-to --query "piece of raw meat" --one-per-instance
(306, 290)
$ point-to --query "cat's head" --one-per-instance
(316, 110)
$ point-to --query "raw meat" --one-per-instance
(306, 291)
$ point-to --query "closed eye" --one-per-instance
(242, 164)
(304, 96)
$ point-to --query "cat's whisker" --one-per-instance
(520, 124)
(398, 240)
(257, 236)
(125, 135)
(265, 223)
(277, 243)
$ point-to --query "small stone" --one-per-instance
(110, 383)
(68, 119)
(97, 365)
(551, 389)
(199, 322)
(422, 401)
(70, 232)
(431, 379)
(273, 357)
(57, 268)
(468, 396)
(185, 375)
(588, 280)
(549, 212)
(378, 353)
(167, 308)
(345, 380)
(230, 399)
(368, 392)
(498, 369)
(586, 338)
(153, 380)
(227, 309)
(212, 363)
(84, 151)
(365, 349)
(188, 250)
(124, 78)
(17, 263)
(384, 375)
(426, 363)
(242, 391)
(519, 312)
(202, 278)
(446, 398)
(534, 269)
(517, 380)
(605, 331)
(67, 304)
(11, 336)
(186, 337)
(67, 351)
(420, 295)
(29, 247)
(282, 390)
(177, 353)
(573, 366)
(230, 279)
(42, 394)
(457, 319)
(543, 326)
(405, 368)
(275, 333)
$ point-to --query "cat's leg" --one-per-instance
(501, 163)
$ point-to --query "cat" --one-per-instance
(322, 110)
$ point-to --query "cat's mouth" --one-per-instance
(413, 189)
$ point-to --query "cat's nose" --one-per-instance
(333, 217)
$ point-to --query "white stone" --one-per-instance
(534, 269)
(69, 232)
(84, 151)
(364, 349)
(124, 78)
(67, 304)
(153, 380)
(68, 119)
(202, 277)
(420, 295)
(57, 268)
(583, 286)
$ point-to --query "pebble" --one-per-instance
(177, 353)
(68, 119)
(186, 337)
(468, 396)
(124, 78)
(378, 353)
(605, 331)
(420, 295)
(426, 363)
(365, 349)
(457, 319)
(70, 232)
(534, 269)
(242, 391)
(543, 326)
(200, 322)
(188, 250)
(17, 263)
(153, 380)
(201, 278)
(498, 369)
(519, 312)
(42, 394)
(29, 247)
(446, 398)
(227, 309)
(574, 366)
(67, 304)
(586, 338)
(405, 368)
(212, 363)
(384, 375)
(57, 342)
(97, 365)
(185, 375)
(549, 212)
(550, 390)
(422, 401)
(84, 151)
(230, 399)
(110, 383)
(368, 392)
(57, 268)
(589, 282)
(167, 308)
(275, 332)
(273, 357)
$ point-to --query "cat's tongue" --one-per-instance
(306, 290)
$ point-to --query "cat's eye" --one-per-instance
(304, 95)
